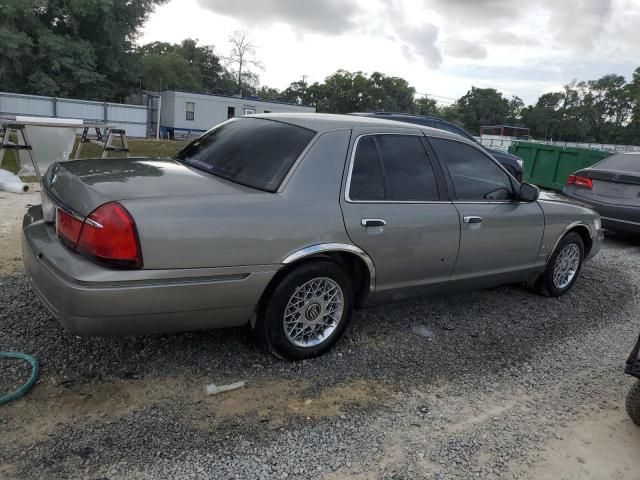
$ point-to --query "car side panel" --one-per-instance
(504, 245)
(559, 218)
(414, 253)
(256, 229)
(89, 299)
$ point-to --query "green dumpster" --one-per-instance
(548, 166)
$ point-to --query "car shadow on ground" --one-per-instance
(476, 332)
(622, 239)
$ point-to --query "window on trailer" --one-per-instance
(231, 112)
(191, 111)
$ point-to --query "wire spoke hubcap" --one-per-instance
(313, 312)
(566, 266)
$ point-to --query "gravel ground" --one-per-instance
(503, 374)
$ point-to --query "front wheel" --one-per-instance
(633, 403)
(307, 312)
(563, 267)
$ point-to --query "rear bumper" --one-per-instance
(615, 217)
(89, 299)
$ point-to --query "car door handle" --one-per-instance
(372, 222)
(472, 219)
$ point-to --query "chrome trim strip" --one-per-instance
(352, 160)
(364, 221)
(60, 204)
(426, 202)
(621, 221)
(483, 202)
(336, 247)
(158, 282)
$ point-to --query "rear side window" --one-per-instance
(474, 175)
(254, 152)
(392, 168)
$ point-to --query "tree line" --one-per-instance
(87, 49)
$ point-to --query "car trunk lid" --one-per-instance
(614, 187)
(83, 185)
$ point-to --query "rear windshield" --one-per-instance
(629, 162)
(251, 151)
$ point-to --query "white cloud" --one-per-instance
(422, 41)
(441, 47)
(326, 16)
(460, 48)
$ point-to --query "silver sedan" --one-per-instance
(289, 223)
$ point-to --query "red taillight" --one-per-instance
(109, 234)
(69, 227)
(579, 181)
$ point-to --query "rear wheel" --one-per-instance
(633, 403)
(563, 267)
(307, 312)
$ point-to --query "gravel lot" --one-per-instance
(509, 385)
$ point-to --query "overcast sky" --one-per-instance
(441, 47)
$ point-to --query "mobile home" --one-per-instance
(186, 113)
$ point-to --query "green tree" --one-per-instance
(169, 71)
(482, 106)
(296, 92)
(426, 106)
(70, 47)
(345, 92)
(545, 116)
(159, 64)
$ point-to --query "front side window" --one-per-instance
(474, 175)
(392, 168)
(191, 111)
(254, 152)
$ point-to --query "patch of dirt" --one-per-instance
(276, 399)
(602, 445)
(48, 407)
(13, 206)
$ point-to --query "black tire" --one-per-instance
(270, 326)
(633, 403)
(545, 284)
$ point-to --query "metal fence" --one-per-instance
(132, 118)
(503, 143)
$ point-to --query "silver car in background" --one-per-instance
(612, 188)
(290, 222)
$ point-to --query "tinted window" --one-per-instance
(254, 152)
(474, 175)
(392, 167)
(366, 178)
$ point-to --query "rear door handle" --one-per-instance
(372, 222)
(472, 219)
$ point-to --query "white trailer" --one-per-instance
(186, 113)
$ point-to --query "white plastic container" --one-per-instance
(12, 183)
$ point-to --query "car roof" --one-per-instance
(327, 122)
(398, 114)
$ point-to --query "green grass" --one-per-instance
(137, 148)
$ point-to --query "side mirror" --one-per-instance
(528, 193)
